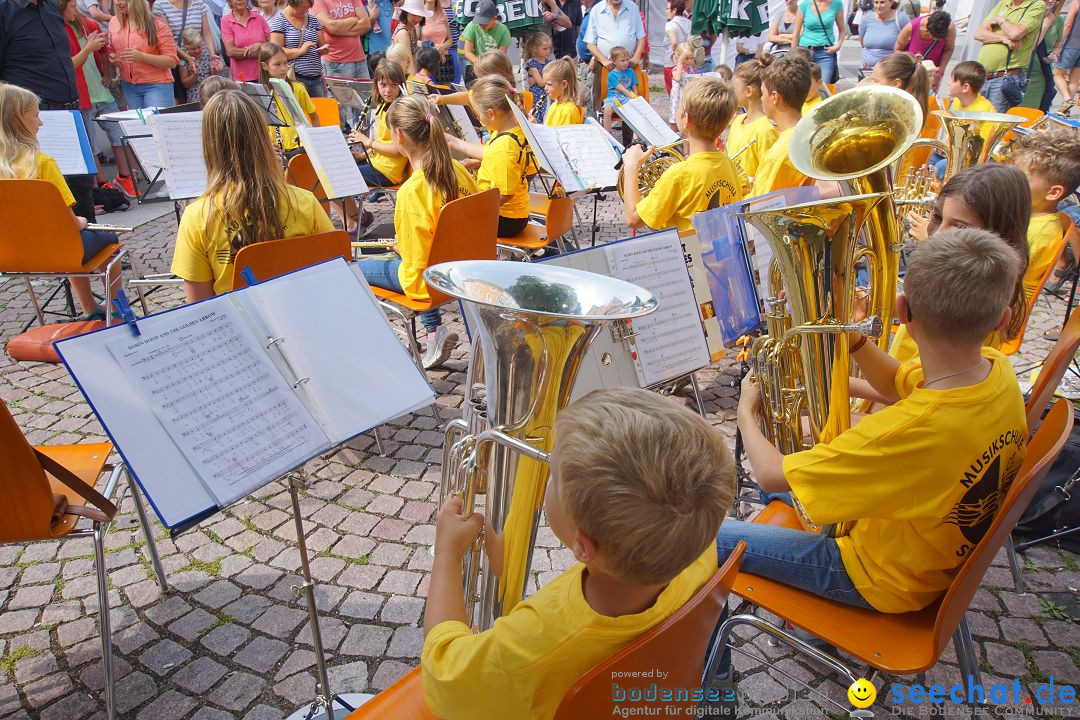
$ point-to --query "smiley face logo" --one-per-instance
(862, 693)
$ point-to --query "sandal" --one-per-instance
(1053, 333)
(97, 313)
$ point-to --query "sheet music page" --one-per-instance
(670, 342)
(179, 141)
(545, 147)
(461, 117)
(145, 148)
(63, 136)
(219, 397)
(618, 146)
(590, 155)
(333, 163)
(285, 93)
(647, 123)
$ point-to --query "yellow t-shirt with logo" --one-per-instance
(922, 480)
(1044, 245)
(507, 161)
(289, 139)
(522, 666)
(763, 134)
(206, 254)
(775, 170)
(811, 104)
(564, 113)
(703, 181)
(392, 166)
(415, 215)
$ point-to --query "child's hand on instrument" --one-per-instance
(454, 532)
(634, 156)
(917, 225)
(358, 137)
(750, 394)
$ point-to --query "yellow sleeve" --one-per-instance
(190, 259)
(497, 168)
(303, 99)
(1044, 240)
(463, 674)
(50, 171)
(658, 208)
(320, 221)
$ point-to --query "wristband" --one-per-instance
(858, 345)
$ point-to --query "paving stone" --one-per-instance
(402, 610)
(297, 661)
(361, 605)
(17, 621)
(407, 642)
(350, 677)
(77, 630)
(164, 657)
(167, 611)
(366, 640)
(194, 624)
(40, 693)
(1058, 665)
(296, 690)
(361, 577)
(71, 707)
(263, 712)
(218, 594)
(134, 637)
(209, 713)
(224, 639)
(169, 706)
(400, 582)
(93, 675)
(1014, 629)
(279, 621)
(247, 608)
(261, 654)
(31, 596)
(389, 672)
(238, 690)
(199, 675)
(1005, 660)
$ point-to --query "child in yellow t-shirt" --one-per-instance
(1051, 162)
(784, 86)
(246, 200)
(506, 159)
(967, 80)
(560, 84)
(922, 479)
(383, 164)
(666, 480)
(706, 179)
(751, 134)
(436, 180)
(274, 64)
(813, 95)
(22, 159)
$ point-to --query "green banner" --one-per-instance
(741, 18)
(522, 16)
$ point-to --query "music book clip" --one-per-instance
(249, 277)
(123, 309)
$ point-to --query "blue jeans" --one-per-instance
(357, 70)
(1005, 92)
(373, 177)
(827, 61)
(147, 95)
(314, 85)
(383, 273)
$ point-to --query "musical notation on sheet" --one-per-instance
(669, 342)
(141, 141)
(179, 141)
(333, 163)
(647, 123)
(220, 398)
(589, 154)
(463, 121)
(62, 136)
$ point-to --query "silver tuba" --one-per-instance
(531, 326)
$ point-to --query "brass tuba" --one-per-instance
(803, 364)
(853, 138)
(531, 326)
(972, 136)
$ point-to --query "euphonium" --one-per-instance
(803, 364)
(651, 170)
(531, 326)
(853, 138)
(972, 136)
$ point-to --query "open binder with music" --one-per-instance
(210, 401)
(646, 122)
(578, 156)
(178, 138)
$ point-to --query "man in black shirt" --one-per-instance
(564, 40)
(35, 54)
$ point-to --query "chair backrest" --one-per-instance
(678, 645)
(1011, 346)
(38, 234)
(466, 229)
(277, 257)
(326, 109)
(1053, 369)
(301, 173)
(560, 217)
(28, 501)
(1030, 115)
(1041, 451)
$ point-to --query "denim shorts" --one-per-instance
(111, 129)
(1069, 59)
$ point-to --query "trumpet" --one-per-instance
(531, 326)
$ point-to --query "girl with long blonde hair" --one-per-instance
(142, 47)
(246, 200)
(21, 159)
(436, 180)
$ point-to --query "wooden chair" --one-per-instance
(301, 173)
(465, 230)
(677, 645)
(278, 257)
(328, 111)
(558, 221)
(38, 239)
(48, 490)
(899, 643)
(1009, 347)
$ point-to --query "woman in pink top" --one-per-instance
(242, 32)
(436, 30)
(932, 37)
(142, 48)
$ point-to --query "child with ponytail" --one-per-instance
(385, 163)
(905, 71)
(436, 179)
(21, 159)
(273, 63)
(752, 133)
(560, 83)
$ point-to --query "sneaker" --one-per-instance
(439, 345)
(107, 185)
(124, 183)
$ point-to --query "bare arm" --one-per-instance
(879, 369)
(902, 40)
(535, 76)
(950, 45)
(599, 56)
(196, 291)
(639, 48)
(765, 460)
(453, 535)
(796, 29)
(841, 32)
(632, 161)
(349, 26)
(468, 149)
(291, 53)
(94, 41)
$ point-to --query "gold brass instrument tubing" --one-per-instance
(531, 326)
(972, 136)
(654, 167)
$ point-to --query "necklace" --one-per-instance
(946, 377)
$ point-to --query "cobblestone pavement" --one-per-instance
(231, 638)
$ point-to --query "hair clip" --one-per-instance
(427, 118)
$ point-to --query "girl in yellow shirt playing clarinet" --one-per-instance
(560, 83)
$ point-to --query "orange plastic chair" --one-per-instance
(48, 490)
(1030, 115)
(34, 209)
(465, 230)
(901, 643)
(277, 257)
(677, 645)
(1009, 347)
(328, 111)
(534, 238)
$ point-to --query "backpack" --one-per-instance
(111, 199)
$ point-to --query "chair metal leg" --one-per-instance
(968, 659)
(105, 624)
(138, 288)
(34, 301)
(148, 534)
(1014, 564)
